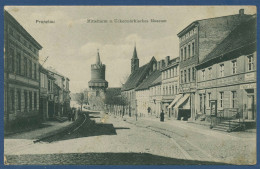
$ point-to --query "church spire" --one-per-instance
(98, 58)
(134, 61)
(135, 53)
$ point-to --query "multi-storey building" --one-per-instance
(64, 93)
(46, 104)
(21, 73)
(137, 76)
(170, 85)
(227, 75)
(196, 41)
(143, 92)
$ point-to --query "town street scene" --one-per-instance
(130, 85)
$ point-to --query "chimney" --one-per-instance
(241, 12)
(162, 64)
(167, 59)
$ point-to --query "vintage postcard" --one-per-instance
(130, 85)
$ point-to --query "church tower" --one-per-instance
(97, 84)
(134, 61)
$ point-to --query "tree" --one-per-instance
(81, 98)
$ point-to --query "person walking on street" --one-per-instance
(162, 116)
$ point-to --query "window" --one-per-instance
(25, 100)
(181, 54)
(210, 72)
(209, 97)
(193, 74)
(19, 100)
(221, 70)
(181, 77)
(30, 68)
(176, 89)
(200, 102)
(234, 67)
(173, 92)
(193, 49)
(25, 67)
(221, 98)
(49, 85)
(11, 60)
(170, 90)
(203, 74)
(185, 53)
(35, 100)
(233, 99)
(35, 71)
(189, 55)
(12, 99)
(30, 100)
(185, 80)
(250, 62)
(189, 75)
(18, 63)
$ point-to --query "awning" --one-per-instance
(182, 100)
(175, 100)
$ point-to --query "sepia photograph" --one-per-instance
(130, 85)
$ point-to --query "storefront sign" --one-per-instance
(248, 86)
(250, 76)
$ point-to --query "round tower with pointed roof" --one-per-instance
(98, 75)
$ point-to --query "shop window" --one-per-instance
(25, 101)
(18, 100)
(35, 100)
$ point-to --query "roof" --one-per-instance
(243, 35)
(149, 80)
(21, 28)
(187, 28)
(157, 81)
(134, 79)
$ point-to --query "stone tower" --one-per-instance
(134, 61)
(97, 84)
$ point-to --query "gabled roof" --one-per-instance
(243, 35)
(149, 80)
(137, 76)
(134, 79)
(157, 81)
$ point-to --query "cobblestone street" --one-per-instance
(126, 141)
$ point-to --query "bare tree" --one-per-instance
(81, 99)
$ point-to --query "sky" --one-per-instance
(71, 42)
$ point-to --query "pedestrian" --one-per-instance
(162, 116)
(69, 115)
(149, 110)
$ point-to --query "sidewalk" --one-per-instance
(193, 127)
(51, 126)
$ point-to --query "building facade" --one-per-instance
(97, 85)
(170, 85)
(196, 41)
(227, 75)
(62, 82)
(46, 104)
(21, 73)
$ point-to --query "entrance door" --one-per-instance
(250, 107)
